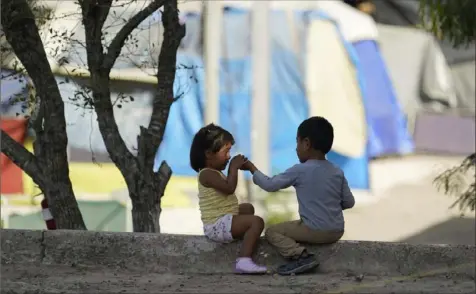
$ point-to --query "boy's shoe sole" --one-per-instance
(300, 269)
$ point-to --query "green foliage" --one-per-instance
(460, 182)
(453, 20)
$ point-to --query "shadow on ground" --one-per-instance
(455, 231)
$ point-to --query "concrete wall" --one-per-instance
(161, 253)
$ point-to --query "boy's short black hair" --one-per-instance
(209, 138)
(319, 131)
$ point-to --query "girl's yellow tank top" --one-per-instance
(214, 204)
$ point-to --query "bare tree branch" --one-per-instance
(117, 43)
(22, 34)
(454, 181)
(23, 158)
(93, 17)
(151, 137)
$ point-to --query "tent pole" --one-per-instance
(260, 103)
(212, 13)
(129, 225)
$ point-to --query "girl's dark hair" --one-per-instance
(209, 138)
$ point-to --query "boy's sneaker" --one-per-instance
(304, 263)
(245, 265)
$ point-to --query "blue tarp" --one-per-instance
(355, 169)
(288, 100)
(184, 119)
(388, 133)
(289, 106)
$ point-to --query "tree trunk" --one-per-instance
(150, 138)
(145, 187)
(51, 170)
(66, 213)
(146, 196)
(145, 216)
(58, 189)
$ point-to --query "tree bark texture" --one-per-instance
(49, 166)
(145, 186)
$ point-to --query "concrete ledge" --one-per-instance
(161, 253)
(21, 246)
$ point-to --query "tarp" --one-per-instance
(184, 118)
(12, 175)
(388, 126)
(418, 70)
(288, 99)
(12, 109)
(333, 90)
(387, 130)
(406, 14)
(464, 79)
(461, 59)
(289, 104)
(346, 18)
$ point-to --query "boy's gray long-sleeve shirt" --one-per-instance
(322, 192)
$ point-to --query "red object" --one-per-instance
(12, 175)
(47, 216)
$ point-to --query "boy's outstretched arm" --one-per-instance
(348, 200)
(273, 184)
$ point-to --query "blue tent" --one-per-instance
(288, 100)
(388, 133)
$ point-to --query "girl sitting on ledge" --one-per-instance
(223, 219)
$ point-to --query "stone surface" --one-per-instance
(180, 254)
(67, 279)
(21, 246)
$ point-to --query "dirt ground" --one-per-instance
(54, 279)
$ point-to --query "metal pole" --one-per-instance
(260, 103)
(213, 23)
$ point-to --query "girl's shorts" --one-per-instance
(220, 231)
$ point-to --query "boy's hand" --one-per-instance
(249, 166)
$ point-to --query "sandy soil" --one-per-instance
(54, 279)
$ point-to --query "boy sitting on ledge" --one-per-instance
(322, 193)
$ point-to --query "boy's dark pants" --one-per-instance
(284, 237)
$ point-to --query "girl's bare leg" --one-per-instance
(246, 209)
(248, 227)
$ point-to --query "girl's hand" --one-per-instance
(237, 161)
